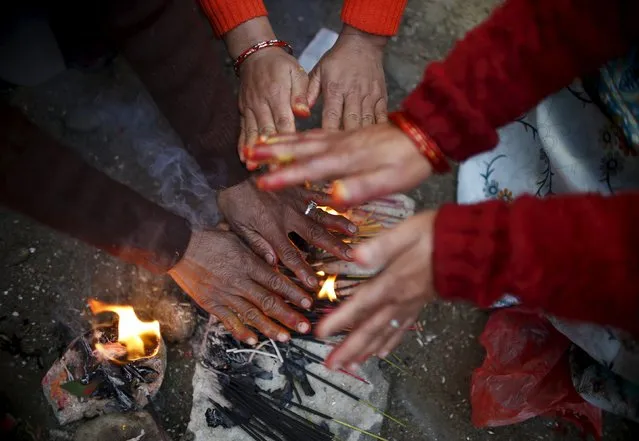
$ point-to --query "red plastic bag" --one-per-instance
(526, 374)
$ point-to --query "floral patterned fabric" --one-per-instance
(567, 145)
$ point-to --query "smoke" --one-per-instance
(137, 131)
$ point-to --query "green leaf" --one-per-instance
(81, 390)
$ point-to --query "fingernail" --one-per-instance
(270, 259)
(252, 341)
(262, 138)
(349, 253)
(283, 338)
(303, 327)
(382, 354)
(251, 166)
(306, 303)
(336, 366)
(301, 110)
(247, 151)
(312, 281)
(352, 228)
(353, 367)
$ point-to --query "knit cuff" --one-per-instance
(379, 17)
(225, 15)
(471, 252)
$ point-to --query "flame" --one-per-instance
(136, 339)
(328, 289)
(329, 210)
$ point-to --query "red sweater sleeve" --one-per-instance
(379, 17)
(225, 15)
(576, 257)
(525, 51)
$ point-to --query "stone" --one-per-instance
(177, 319)
(133, 426)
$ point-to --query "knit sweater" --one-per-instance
(573, 256)
(380, 17)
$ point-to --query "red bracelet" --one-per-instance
(426, 145)
(259, 46)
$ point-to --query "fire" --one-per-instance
(329, 210)
(328, 289)
(136, 339)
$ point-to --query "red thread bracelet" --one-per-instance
(257, 47)
(424, 143)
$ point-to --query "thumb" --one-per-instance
(299, 88)
(379, 252)
(314, 86)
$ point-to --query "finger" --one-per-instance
(260, 246)
(265, 122)
(368, 111)
(384, 248)
(355, 345)
(299, 90)
(281, 285)
(274, 306)
(356, 189)
(395, 339)
(291, 258)
(282, 114)
(332, 221)
(381, 111)
(352, 111)
(233, 324)
(297, 149)
(251, 130)
(333, 106)
(251, 315)
(331, 165)
(366, 300)
(317, 235)
(241, 142)
(314, 86)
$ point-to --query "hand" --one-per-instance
(368, 163)
(399, 293)
(264, 220)
(351, 78)
(229, 281)
(273, 85)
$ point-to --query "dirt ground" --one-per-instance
(47, 277)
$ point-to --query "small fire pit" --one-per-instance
(118, 366)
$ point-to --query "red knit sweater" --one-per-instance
(573, 256)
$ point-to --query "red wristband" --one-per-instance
(257, 47)
(425, 144)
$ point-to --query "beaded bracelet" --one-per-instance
(425, 144)
(257, 47)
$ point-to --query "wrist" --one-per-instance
(375, 41)
(422, 141)
(248, 34)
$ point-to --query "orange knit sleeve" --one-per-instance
(379, 17)
(225, 15)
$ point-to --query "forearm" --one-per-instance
(51, 184)
(525, 51)
(378, 17)
(575, 257)
(225, 15)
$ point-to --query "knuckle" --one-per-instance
(275, 283)
(334, 88)
(352, 116)
(268, 304)
(316, 232)
(368, 117)
(290, 255)
(332, 114)
(267, 130)
(284, 120)
(251, 315)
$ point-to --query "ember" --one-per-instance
(135, 339)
